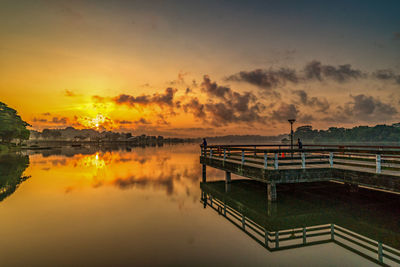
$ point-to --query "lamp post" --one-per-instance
(291, 133)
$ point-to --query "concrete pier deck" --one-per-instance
(370, 166)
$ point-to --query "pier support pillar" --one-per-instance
(204, 173)
(272, 208)
(227, 187)
(204, 198)
(227, 177)
(228, 182)
(271, 192)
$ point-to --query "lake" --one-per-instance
(144, 206)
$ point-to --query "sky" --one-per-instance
(200, 68)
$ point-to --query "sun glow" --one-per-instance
(100, 121)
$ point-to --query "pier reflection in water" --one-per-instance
(365, 222)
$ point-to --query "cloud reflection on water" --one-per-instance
(174, 170)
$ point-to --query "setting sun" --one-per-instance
(100, 121)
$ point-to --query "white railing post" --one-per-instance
(378, 163)
(331, 159)
(265, 160)
(303, 160)
(242, 156)
(211, 152)
(276, 161)
(224, 154)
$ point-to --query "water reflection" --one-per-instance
(171, 169)
(366, 223)
(11, 170)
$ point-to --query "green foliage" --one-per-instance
(12, 167)
(378, 133)
(11, 125)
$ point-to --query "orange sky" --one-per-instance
(155, 69)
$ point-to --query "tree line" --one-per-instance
(378, 133)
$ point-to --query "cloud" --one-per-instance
(396, 36)
(367, 106)
(363, 108)
(266, 79)
(123, 122)
(321, 105)
(54, 120)
(212, 89)
(59, 120)
(142, 121)
(69, 93)
(305, 118)
(342, 73)
(285, 112)
(165, 99)
(225, 105)
(386, 75)
(39, 119)
(312, 71)
(196, 108)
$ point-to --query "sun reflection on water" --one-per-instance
(93, 161)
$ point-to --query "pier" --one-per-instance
(376, 167)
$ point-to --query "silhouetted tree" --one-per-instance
(11, 125)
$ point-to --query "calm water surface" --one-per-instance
(142, 206)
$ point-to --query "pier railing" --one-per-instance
(280, 156)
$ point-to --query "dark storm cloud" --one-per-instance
(314, 70)
(342, 73)
(225, 106)
(386, 75)
(285, 112)
(363, 108)
(212, 89)
(165, 99)
(195, 107)
(321, 105)
(266, 79)
(368, 105)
